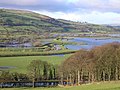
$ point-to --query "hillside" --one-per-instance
(20, 20)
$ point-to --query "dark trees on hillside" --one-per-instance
(99, 64)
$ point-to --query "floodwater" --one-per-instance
(90, 42)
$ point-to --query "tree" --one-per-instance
(34, 70)
(40, 70)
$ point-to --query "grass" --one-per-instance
(96, 86)
(67, 42)
(60, 42)
(21, 63)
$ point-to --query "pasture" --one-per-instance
(20, 63)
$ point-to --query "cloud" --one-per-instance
(94, 11)
(49, 5)
(92, 17)
(65, 5)
(19, 2)
(99, 5)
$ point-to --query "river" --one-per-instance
(90, 42)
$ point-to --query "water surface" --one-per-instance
(91, 42)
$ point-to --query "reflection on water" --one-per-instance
(17, 45)
(6, 67)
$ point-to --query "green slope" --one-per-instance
(19, 20)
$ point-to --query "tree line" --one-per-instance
(101, 63)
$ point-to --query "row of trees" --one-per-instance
(37, 71)
(41, 70)
(101, 63)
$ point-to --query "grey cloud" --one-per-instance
(19, 2)
(51, 5)
(64, 5)
(99, 5)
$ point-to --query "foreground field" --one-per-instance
(96, 86)
(20, 63)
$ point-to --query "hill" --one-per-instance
(115, 25)
(20, 20)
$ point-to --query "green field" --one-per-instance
(96, 86)
(21, 63)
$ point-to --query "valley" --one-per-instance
(36, 47)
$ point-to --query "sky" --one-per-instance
(92, 11)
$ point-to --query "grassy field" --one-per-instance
(21, 63)
(61, 42)
(96, 86)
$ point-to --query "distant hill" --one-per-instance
(115, 25)
(20, 20)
